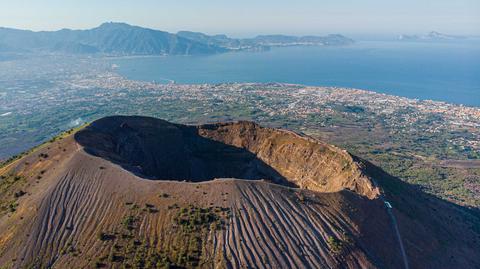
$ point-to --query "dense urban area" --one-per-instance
(435, 145)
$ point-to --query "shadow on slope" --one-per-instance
(435, 232)
(158, 150)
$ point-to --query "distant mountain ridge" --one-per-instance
(108, 38)
(432, 36)
(123, 39)
(265, 41)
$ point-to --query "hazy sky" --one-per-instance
(246, 17)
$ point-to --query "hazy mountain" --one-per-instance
(265, 41)
(109, 38)
(124, 39)
(284, 40)
(432, 36)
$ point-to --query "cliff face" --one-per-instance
(305, 162)
(141, 192)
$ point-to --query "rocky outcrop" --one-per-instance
(303, 161)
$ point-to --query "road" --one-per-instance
(389, 208)
(399, 236)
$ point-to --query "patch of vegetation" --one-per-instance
(100, 264)
(150, 208)
(335, 245)
(12, 207)
(10, 190)
(133, 250)
(133, 206)
(70, 250)
(174, 206)
(102, 236)
(129, 222)
(194, 224)
(194, 218)
(19, 194)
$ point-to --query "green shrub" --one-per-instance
(334, 244)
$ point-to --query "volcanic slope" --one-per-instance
(139, 192)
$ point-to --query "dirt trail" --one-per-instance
(389, 208)
(399, 237)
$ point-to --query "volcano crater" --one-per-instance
(159, 150)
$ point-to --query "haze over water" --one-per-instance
(448, 71)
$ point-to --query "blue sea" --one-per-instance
(447, 71)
